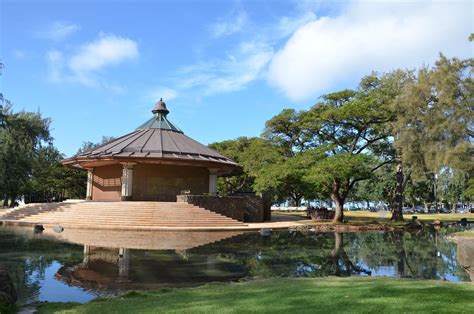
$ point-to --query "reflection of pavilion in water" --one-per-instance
(124, 260)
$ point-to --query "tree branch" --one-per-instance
(383, 164)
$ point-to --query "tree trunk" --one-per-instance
(400, 254)
(339, 214)
(297, 200)
(338, 201)
(397, 214)
(338, 240)
(13, 201)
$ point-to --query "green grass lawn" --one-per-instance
(425, 217)
(467, 234)
(318, 295)
(368, 217)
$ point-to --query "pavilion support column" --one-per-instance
(90, 178)
(127, 181)
(212, 182)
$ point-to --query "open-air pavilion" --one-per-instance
(156, 162)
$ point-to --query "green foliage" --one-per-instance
(30, 164)
(435, 117)
(381, 187)
(267, 169)
(340, 167)
(453, 187)
(352, 127)
(469, 192)
(253, 154)
(21, 138)
(286, 131)
(52, 178)
(286, 179)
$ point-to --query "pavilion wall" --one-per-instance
(106, 183)
(152, 182)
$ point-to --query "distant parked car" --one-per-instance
(407, 210)
(420, 210)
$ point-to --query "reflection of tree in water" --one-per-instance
(422, 255)
(425, 254)
(27, 259)
(289, 254)
(339, 263)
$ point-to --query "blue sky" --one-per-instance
(223, 67)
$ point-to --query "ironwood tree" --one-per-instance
(433, 129)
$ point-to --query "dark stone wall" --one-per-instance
(241, 208)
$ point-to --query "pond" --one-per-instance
(79, 265)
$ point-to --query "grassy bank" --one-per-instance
(424, 217)
(322, 295)
(366, 216)
(467, 234)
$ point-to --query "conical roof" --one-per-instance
(159, 119)
(157, 138)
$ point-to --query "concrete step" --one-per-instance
(122, 215)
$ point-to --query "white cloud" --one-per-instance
(230, 25)
(58, 30)
(241, 66)
(107, 50)
(288, 25)
(330, 51)
(86, 64)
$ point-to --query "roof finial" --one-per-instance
(160, 107)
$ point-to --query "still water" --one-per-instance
(79, 265)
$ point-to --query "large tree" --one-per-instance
(351, 126)
(433, 129)
(50, 179)
(22, 136)
(268, 169)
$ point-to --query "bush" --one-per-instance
(319, 213)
